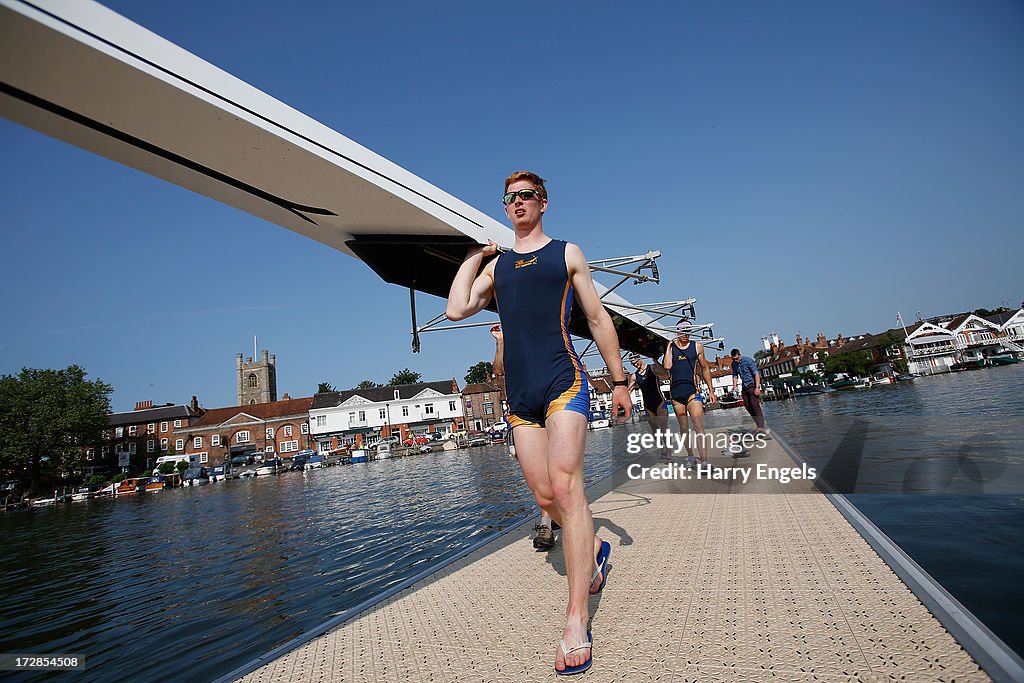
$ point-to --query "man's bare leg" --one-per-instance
(696, 411)
(532, 452)
(659, 423)
(684, 428)
(567, 433)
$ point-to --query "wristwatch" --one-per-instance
(620, 383)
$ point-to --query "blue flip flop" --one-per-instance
(602, 566)
(570, 670)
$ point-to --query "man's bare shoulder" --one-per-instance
(575, 259)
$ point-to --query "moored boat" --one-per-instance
(129, 487)
(810, 390)
(730, 400)
(272, 466)
(848, 383)
(1004, 360)
(84, 493)
(221, 472)
(197, 476)
(360, 455)
(157, 483)
(599, 420)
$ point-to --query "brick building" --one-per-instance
(483, 405)
(259, 430)
(134, 440)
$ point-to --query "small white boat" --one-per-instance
(221, 473)
(383, 450)
(269, 467)
(43, 502)
(197, 476)
(84, 493)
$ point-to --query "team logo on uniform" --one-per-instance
(522, 263)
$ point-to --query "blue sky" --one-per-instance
(803, 166)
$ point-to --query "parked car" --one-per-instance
(241, 460)
(437, 436)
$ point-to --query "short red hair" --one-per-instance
(532, 177)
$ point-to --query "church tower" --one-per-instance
(257, 381)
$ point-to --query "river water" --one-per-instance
(192, 583)
(938, 465)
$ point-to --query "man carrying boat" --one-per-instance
(684, 359)
(535, 285)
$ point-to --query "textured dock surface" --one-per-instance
(710, 581)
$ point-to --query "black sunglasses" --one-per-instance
(526, 195)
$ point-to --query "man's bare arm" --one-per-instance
(498, 366)
(472, 288)
(706, 372)
(600, 324)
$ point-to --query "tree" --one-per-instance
(479, 373)
(166, 467)
(181, 466)
(49, 416)
(808, 376)
(368, 384)
(325, 387)
(405, 376)
(890, 341)
(851, 363)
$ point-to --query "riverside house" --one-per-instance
(362, 417)
(134, 440)
(257, 430)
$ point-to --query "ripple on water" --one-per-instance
(191, 583)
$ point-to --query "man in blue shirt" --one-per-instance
(744, 369)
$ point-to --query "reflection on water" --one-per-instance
(924, 452)
(192, 583)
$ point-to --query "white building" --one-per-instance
(930, 349)
(1012, 327)
(933, 348)
(976, 337)
(365, 416)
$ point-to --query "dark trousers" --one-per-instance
(753, 406)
